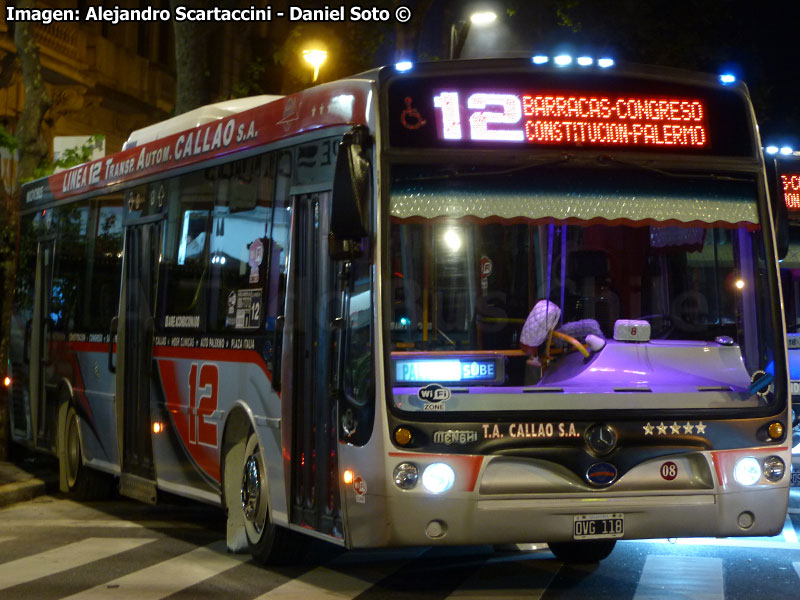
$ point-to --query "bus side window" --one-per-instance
(279, 237)
(239, 249)
(358, 381)
(69, 283)
(103, 265)
(185, 262)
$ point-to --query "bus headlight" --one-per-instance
(774, 468)
(747, 471)
(406, 476)
(438, 478)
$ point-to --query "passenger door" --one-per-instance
(38, 337)
(315, 499)
(135, 358)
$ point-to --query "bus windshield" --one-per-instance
(655, 277)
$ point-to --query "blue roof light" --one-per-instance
(604, 63)
(404, 65)
(771, 149)
(786, 150)
(540, 59)
(727, 78)
(562, 60)
(585, 61)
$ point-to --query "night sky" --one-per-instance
(758, 41)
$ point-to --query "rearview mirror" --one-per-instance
(351, 194)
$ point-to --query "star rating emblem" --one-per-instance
(662, 429)
(675, 428)
(701, 428)
(688, 428)
(648, 429)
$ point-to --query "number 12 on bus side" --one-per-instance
(592, 527)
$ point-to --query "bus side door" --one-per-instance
(38, 354)
(135, 358)
(314, 474)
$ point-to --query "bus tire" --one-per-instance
(82, 483)
(268, 543)
(588, 551)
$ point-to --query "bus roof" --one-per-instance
(195, 118)
(210, 132)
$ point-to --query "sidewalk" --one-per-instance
(25, 480)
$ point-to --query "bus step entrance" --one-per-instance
(137, 488)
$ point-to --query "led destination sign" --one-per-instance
(537, 110)
(449, 370)
(562, 117)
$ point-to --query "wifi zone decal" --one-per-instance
(433, 394)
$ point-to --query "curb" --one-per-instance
(20, 491)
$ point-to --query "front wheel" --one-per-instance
(268, 542)
(588, 551)
(82, 482)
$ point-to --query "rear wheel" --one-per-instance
(268, 542)
(588, 551)
(82, 482)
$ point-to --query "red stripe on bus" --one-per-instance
(327, 105)
(216, 354)
(467, 464)
(213, 354)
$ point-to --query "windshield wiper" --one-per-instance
(457, 174)
(606, 158)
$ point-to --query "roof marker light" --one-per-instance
(404, 65)
(540, 59)
(562, 60)
(786, 150)
(604, 63)
(727, 78)
(771, 149)
(585, 61)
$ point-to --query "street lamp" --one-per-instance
(315, 58)
(459, 31)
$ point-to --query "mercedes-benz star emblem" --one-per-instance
(601, 439)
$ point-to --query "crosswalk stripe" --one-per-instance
(696, 577)
(796, 566)
(99, 523)
(789, 534)
(167, 577)
(319, 584)
(505, 578)
(364, 569)
(59, 559)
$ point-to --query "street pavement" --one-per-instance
(27, 479)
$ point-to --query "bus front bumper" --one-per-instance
(406, 520)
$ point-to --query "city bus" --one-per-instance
(784, 175)
(474, 302)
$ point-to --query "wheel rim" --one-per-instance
(251, 489)
(254, 491)
(73, 450)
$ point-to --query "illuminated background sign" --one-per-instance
(554, 110)
(791, 190)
